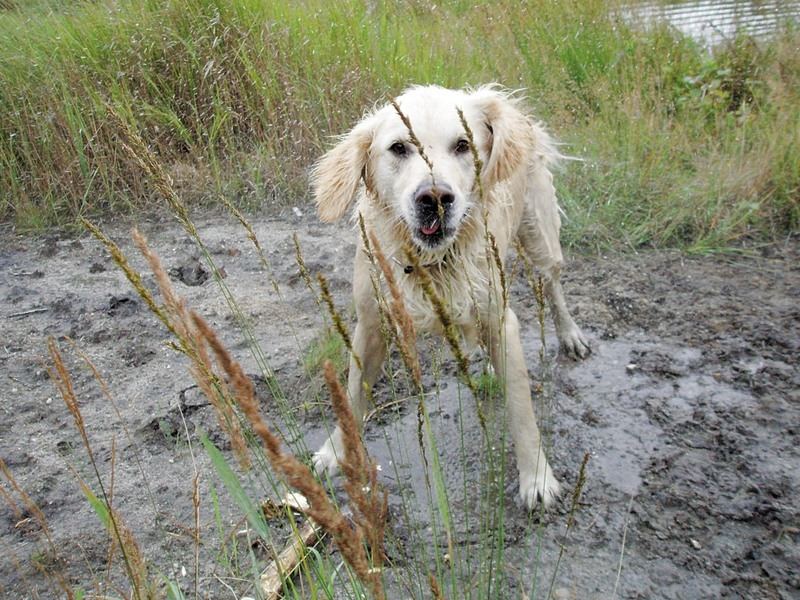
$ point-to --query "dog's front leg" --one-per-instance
(536, 480)
(370, 348)
(570, 336)
(539, 234)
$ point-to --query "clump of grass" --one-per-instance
(326, 347)
(368, 501)
(232, 387)
(175, 317)
(489, 385)
(681, 146)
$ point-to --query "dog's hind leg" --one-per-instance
(536, 480)
(539, 234)
(370, 348)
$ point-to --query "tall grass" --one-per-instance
(680, 147)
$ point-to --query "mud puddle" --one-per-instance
(688, 408)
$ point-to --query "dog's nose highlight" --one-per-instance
(429, 196)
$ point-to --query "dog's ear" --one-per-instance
(511, 132)
(335, 178)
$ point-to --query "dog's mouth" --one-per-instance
(432, 228)
(432, 231)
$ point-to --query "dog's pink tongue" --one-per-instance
(432, 228)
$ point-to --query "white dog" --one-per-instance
(431, 202)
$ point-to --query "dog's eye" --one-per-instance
(398, 149)
(461, 147)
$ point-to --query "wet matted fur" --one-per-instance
(423, 194)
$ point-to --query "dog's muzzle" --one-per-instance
(432, 206)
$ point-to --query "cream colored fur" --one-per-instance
(518, 201)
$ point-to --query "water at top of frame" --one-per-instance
(714, 21)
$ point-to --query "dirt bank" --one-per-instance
(689, 408)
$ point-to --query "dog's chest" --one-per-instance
(452, 293)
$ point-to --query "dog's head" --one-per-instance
(426, 179)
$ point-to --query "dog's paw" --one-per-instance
(573, 342)
(326, 458)
(541, 487)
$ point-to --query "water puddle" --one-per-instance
(609, 405)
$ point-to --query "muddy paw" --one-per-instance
(573, 342)
(326, 458)
(541, 487)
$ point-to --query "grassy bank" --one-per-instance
(238, 98)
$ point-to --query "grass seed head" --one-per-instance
(399, 316)
(476, 159)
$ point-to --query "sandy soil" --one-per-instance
(689, 408)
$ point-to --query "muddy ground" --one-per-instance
(689, 407)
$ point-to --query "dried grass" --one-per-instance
(30, 505)
(413, 136)
(575, 501)
(338, 322)
(301, 263)
(398, 315)
(501, 273)
(448, 328)
(537, 285)
(369, 503)
(180, 323)
(131, 274)
(476, 159)
(251, 235)
(133, 559)
(147, 161)
(436, 591)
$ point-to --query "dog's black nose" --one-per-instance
(430, 196)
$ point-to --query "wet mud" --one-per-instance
(688, 407)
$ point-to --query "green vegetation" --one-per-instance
(238, 98)
(327, 347)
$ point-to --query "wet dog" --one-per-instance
(415, 185)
